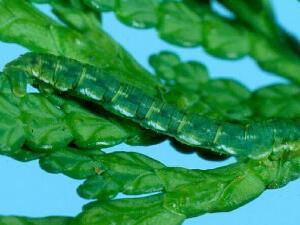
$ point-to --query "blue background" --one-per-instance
(27, 190)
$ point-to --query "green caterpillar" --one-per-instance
(253, 140)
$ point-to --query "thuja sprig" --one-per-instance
(189, 87)
(195, 192)
(183, 193)
(192, 23)
(259, 16)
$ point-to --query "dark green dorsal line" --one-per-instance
(254, 140)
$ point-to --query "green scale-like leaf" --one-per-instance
(191, 23)
(190, 89)
(76, 16)
(137, 13)
(191, 193)
(259, 16)
(277, 101)
(175, 21)
(148, 210)
(184, 193)
(106, 174)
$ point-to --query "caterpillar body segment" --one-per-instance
(253, 140)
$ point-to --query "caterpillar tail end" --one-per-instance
(18, 92)
(18, 82)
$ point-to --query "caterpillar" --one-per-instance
(253, 140)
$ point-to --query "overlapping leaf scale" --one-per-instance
(21, 23)
(18, 220)
(185, 193)
(190, 193)
(259, 16)
(277, 101)
(191, 90)
(140, 13)
(106, 174)
(147, 210)
(230, 39)
(76, 16)
(190, 23)
(73, 14)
